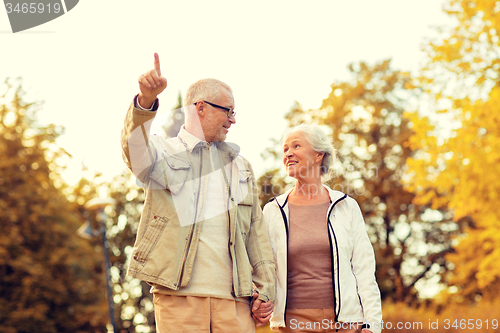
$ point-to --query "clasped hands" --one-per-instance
(261, 311)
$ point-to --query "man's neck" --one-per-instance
(196, 131)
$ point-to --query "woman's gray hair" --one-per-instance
(319, 142)
(206, 89)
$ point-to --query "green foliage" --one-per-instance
(51, 279)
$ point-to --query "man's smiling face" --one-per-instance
(215, 122)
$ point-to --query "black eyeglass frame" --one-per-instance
(229, 112)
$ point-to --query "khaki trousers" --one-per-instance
(316, 321)
(201, 314)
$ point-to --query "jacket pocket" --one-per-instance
(245, 203)
(244, 191)
(150, 238)
(171, 172)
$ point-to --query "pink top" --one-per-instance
(309, 258)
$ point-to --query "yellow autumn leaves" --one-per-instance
(458, 163)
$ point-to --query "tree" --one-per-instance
(51, 279)
(459, 162)
(270, 184)
(365, 120)
(173, 128)
(132, 295)
(467, 53)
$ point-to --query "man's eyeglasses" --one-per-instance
(230, 112)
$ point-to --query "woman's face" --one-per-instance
(299, 158)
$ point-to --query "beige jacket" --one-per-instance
(167, 238)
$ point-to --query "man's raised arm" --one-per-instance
(138, 153)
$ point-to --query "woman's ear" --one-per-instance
(319, 157)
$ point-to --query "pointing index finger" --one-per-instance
(157, 64)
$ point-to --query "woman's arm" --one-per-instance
(363, 267)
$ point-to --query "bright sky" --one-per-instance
(85, 64)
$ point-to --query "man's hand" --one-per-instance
(261, 312)
(151, 84)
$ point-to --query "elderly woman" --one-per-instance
(324, 259)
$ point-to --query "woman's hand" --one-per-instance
(261, 312)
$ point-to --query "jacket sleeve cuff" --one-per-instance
(375, 328)
(153, 107)
(263, 298)
(276, 326)
(261, 295)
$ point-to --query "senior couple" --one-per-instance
(214, 260)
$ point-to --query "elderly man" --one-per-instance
(201, 242)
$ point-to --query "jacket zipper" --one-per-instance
(336, 309)
(285, 220)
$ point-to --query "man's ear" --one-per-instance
(200, 107)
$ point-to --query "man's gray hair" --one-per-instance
(205, 89)
(319, 142)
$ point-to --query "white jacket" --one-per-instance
(357, 296)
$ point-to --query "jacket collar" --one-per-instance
(232, 148)
(191, 142)
(281, 200)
